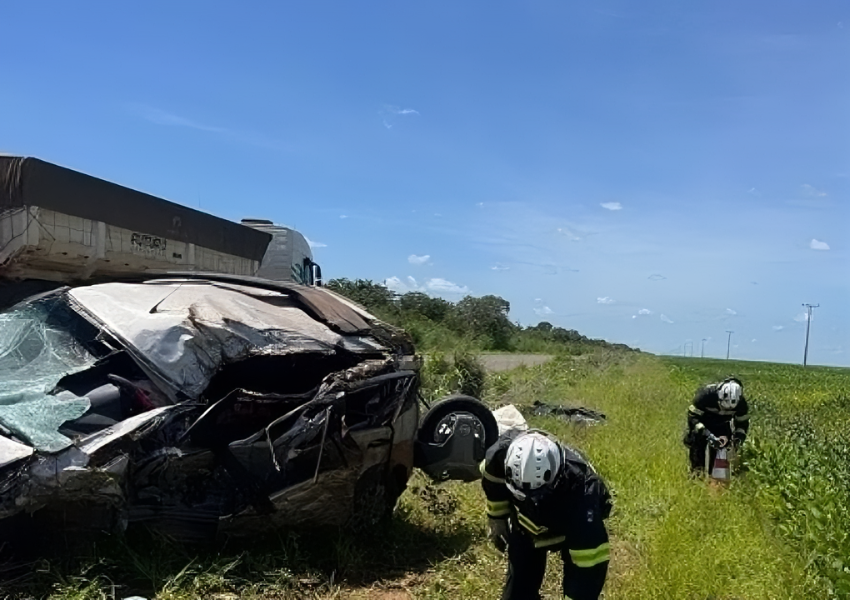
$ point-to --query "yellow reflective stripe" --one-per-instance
(487, 475)
(699, 427)
(695, 410)
(743, 418)
(591, 558)
(498, 508)
(530, 525)
(545, 542)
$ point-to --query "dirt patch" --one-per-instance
(506, 362)
(389, 595)
(387, 592)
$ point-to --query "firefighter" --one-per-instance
(542, 496)
(719, 408)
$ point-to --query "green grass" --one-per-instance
(779, 531)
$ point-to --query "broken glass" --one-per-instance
(38, 348)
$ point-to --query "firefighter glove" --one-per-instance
(498, 533)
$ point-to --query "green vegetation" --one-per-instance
(798, 458)
(472, 324)
(779, 531)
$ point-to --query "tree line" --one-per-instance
(481, 322)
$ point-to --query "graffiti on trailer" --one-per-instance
(148, 244)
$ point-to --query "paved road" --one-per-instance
(506, 362)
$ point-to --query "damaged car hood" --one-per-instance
(185, 331)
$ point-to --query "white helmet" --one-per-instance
(729, 393)
(533, 460)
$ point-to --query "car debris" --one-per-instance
(510, 421)
(574, 414)
(207, 405)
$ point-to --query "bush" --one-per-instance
(461, 373)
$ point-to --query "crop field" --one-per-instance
(779, 531)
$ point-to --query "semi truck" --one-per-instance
(60, 225)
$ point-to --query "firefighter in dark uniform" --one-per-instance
(719, 408)
(542, 496)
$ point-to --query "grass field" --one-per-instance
(778, 532)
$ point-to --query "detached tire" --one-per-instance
(458, 403)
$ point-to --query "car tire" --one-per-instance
(458, 403)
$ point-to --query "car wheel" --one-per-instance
(453, 437)
(430, 426)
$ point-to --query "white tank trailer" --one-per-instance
(61, 225)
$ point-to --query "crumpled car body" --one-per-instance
(200, 406)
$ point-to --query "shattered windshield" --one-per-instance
(40, 342)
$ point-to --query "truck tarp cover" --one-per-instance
(33, 182)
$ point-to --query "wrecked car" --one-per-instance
(201, 405)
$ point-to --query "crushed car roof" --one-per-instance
(185, 331)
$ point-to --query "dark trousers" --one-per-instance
(527, 566)
(696, 453)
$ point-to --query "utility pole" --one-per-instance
(702, 348)
(809, 308)
(728, 343)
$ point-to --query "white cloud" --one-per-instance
(418, 260)
(656, 277)
(634, 316)
(753, 341)
(802, 317)
(612, 205)
(778, 327)
(543, 310)
(402, 286)
(480, 205)
(161, 117)
(500, 267)
(313, 244)
(810, 190)
(818, 245)
(391, 113)
(729, 311)
(570, 235)
(343, 216)
(666, 319)
(644, 311)
(605, 300)
(438, 284)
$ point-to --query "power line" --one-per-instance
(728, 343)
(809, 308)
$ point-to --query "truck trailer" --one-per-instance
(60, 225)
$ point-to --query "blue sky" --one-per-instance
(651, 173)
